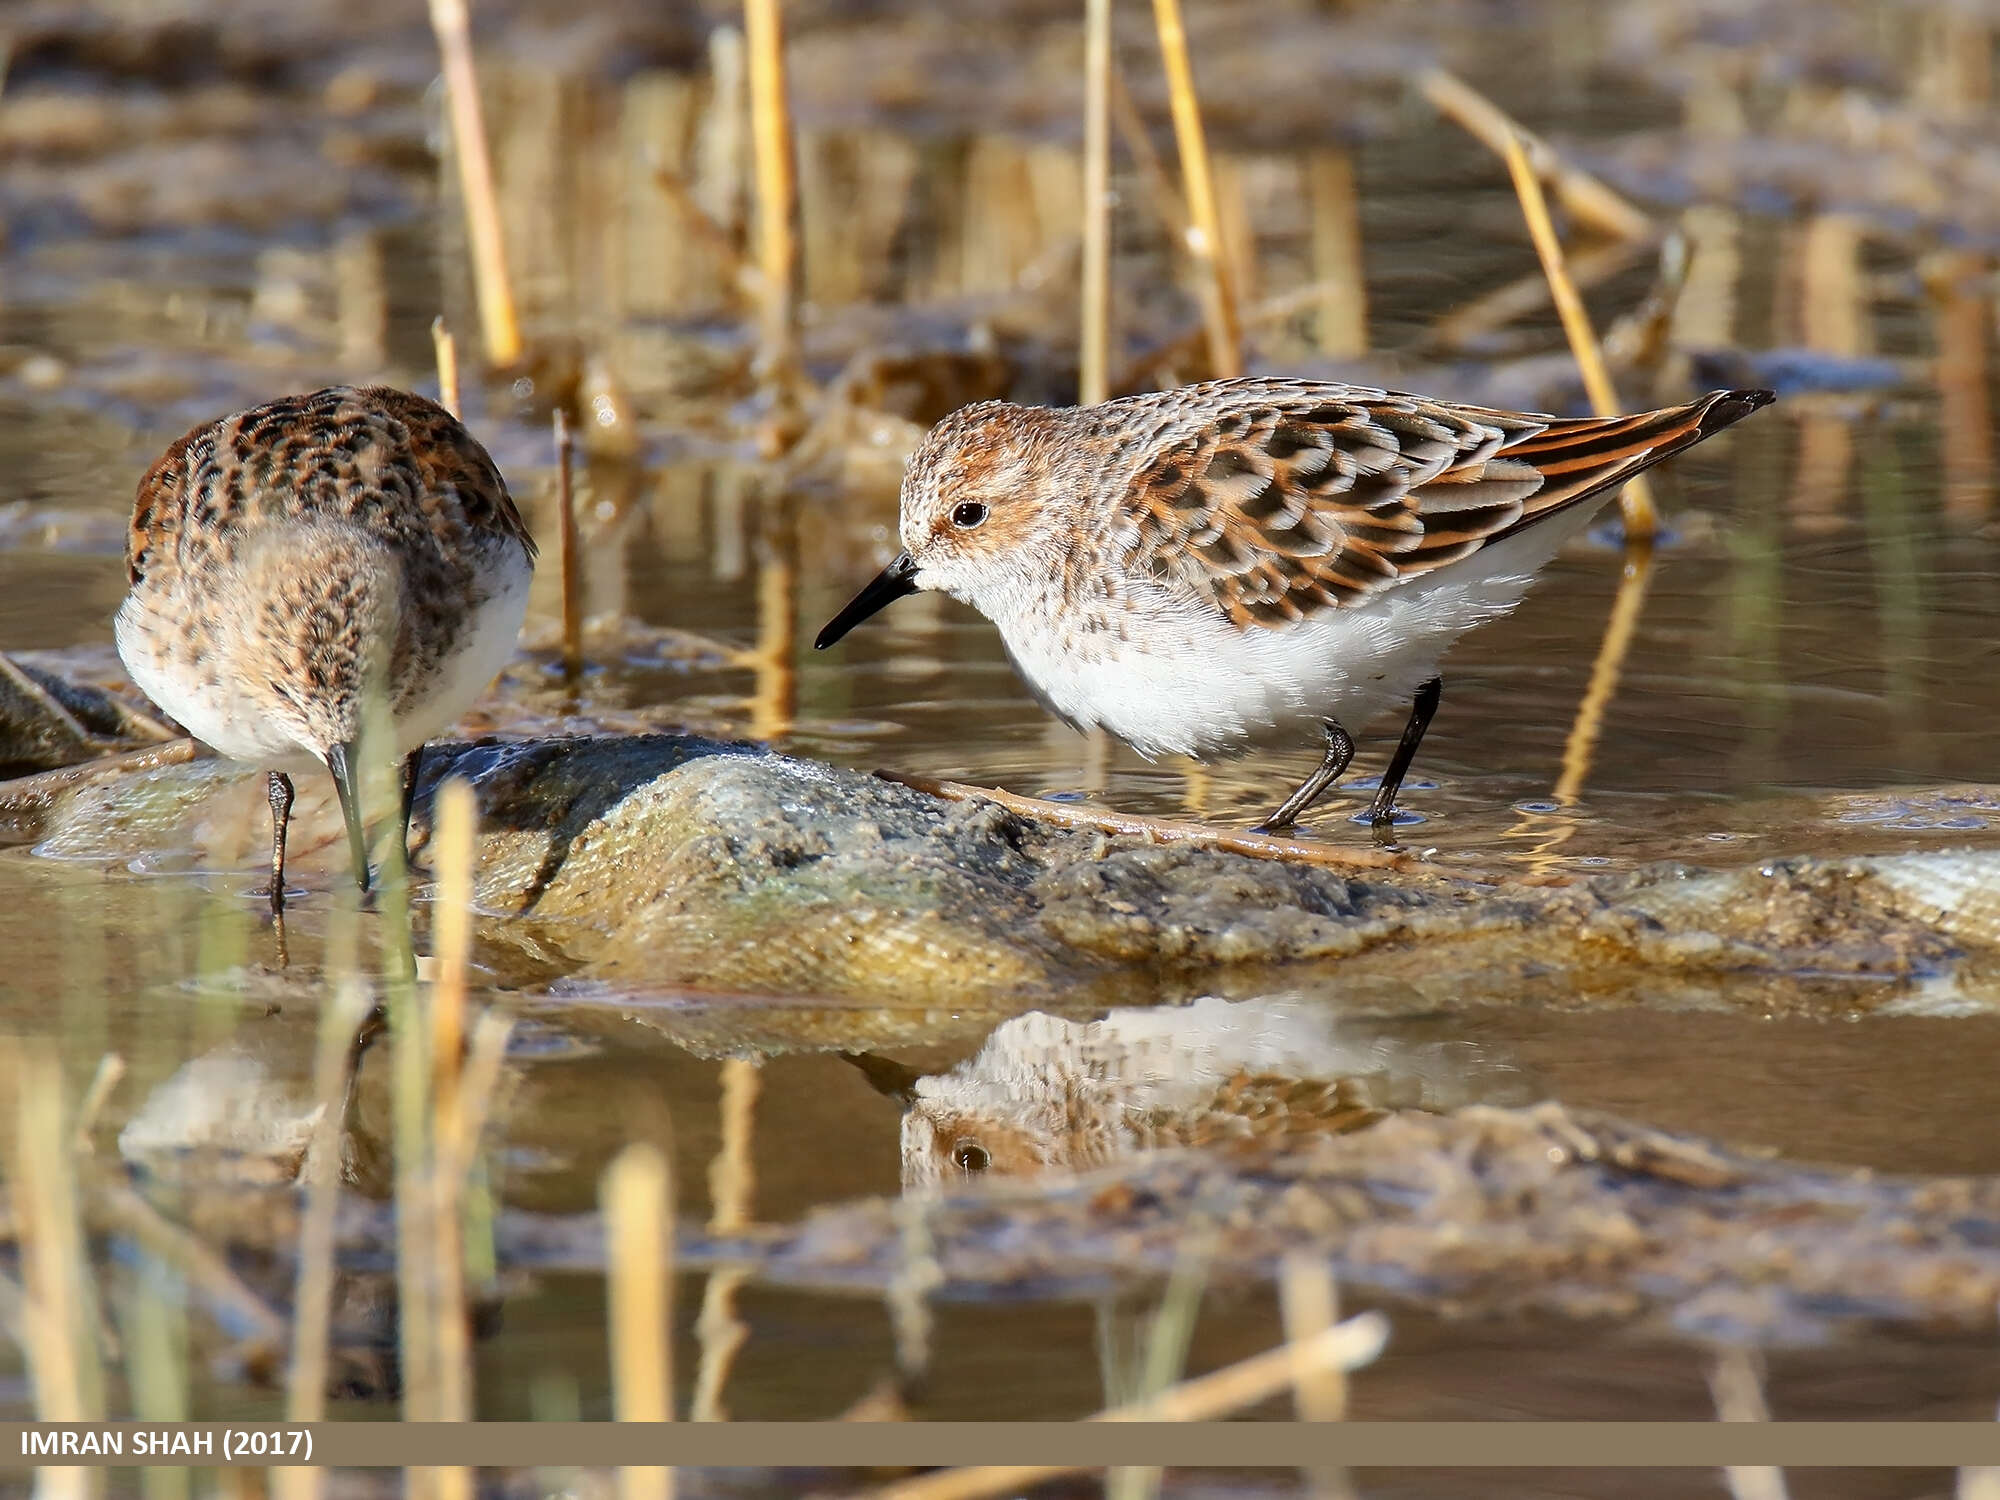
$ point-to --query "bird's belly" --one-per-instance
(198, 693)
(483, 646)
(1206, 691)
(1195, 684)
(234, 717)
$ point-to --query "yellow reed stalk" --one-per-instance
(1310, 1302)
(110, 1069)
(1737, 1386)
(569, 558)
(1204, 233)
(1965, 428)
(456, 819)
(306, 1373)
(774, 701)
(1309, 1299)
(1159, 182)
(1347, 1346)
(638, 1240)
(1489, 311)
(1094, 337)
(1642, 521)
(1581, 747)
(1583, 195)
(446, 349)
(497, 322)
(59, 1305)
(1342, 324)
(481, 1080)
(731, 1186)
(771, 146)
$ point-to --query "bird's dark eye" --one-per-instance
(967, 514)
(970, 1156)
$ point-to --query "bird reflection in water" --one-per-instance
(1047, 1094)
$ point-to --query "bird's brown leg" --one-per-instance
(1339, 752)
(1382, 814)
(278, 792)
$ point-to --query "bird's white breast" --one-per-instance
(1179, 678)
(203, 693)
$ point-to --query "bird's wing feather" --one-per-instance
(1323, 496)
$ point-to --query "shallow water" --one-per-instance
(1815, 656)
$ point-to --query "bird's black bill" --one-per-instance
(340, 761)
(887, 586)
(892, 1079)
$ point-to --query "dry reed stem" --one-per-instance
(110, 1070)
(1582, 194)
(1339, 267)
(771, 148)
(1737, 1386)
(478, 1083)
(1589, 267)
(1094, 336)
(1580, 748)
(1204, 233)
(720, 242)
(638, 1241)
(1642, 521)
(1309, 1300)
(732, 1186)
(413, 1120)
(58, 1306)
(497, 323)
(774, 699)
(118, 1208)
(312, 1287)
(1347, 1346)
(456, 820)
(568, 559)
(1166, 197)
(1158, 830)
(1960, 319)
(445, 347)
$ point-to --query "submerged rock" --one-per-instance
(657, 861)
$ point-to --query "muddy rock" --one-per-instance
(661, 860)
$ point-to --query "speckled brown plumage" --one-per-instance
(288, 560)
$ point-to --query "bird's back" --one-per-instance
(281, 555)
(385, 461)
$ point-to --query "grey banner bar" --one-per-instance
(923, 1444)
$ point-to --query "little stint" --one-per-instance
(1208, 568)
(290, 562)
